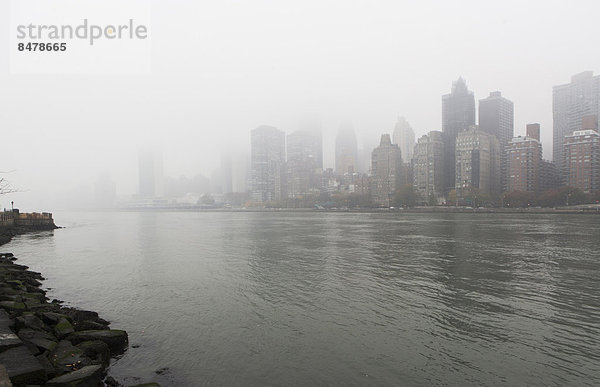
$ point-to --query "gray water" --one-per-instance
(335, 298)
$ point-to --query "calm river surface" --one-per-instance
(335, 298)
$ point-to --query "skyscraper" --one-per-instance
(267, 159)
(582, 160)
(404, 137)
(151, 180)
(386, 167)
(428, 167)
(458, 114)
(496, 117)
(524, 161)
(570, 103)
(477, 162)
(304, 157)
(346, 152)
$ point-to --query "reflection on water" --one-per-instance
(340, 298)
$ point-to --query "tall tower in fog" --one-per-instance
(151, 183)
(570, 103)
(386, 171)
(404, 137)
(346, 151)
(267, 159)
(496, 117)
(458, 114)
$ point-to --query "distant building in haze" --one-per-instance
(428, 167)
(267, 163)
(404, 137)
(570, 103)
(151, 179)
(458, 114)
(524, 161)
(386, 170)
(582, 160)
(496, 117)
(477, 163)
(304, 161)
(346, 150)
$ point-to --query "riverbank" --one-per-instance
(45, 343)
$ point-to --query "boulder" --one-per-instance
(52, 317)
(13, 306)
(22, 367)
(117, 340)
(89, 376)
(96, 350)
(89, 326)
(63, 328)
(29, 321)
(66, 357)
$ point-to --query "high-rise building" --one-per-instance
(549, 176)
(570, 103)
(524, 159)
(404, 137)
(304, 153)
(267, 163)
(386, 169)
(496, 117)
(151, 180)
(477, 162)
(458, 114)
(582, 160)
(428, 167)
(346, 151)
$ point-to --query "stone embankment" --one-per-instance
(45, 343)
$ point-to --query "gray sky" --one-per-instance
(221, 68)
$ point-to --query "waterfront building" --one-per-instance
(549, 176)
(524, 159)
(428, 167)
(404, 137)
(570, 103)
(304, 161)
(458, 114)
(496, 117)
(477, 163)
(346, 150)
(582, 160)
(151, 180)
(386, 170)
(267, 163)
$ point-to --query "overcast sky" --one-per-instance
(220, 68)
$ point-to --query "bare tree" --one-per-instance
(5, 186)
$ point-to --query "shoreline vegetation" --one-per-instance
(45, 343)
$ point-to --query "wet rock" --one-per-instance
(89, 376)
(50, 371)
(13, 306)
(96, 350)
(63, 328)
(66, 357)
(162, 371)
(146, 385)
(29, 321)
(52, 317)
(42, 340)
(22, 367)
(7, 338)
(89, 326)
(117, 340)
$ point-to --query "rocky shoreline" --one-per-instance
(46, 343)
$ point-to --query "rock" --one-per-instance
(146, 385)
(117, 340)
(12, 306)
(4, 379)
(5, 321)
(63, 328)
(96, 350)
(22, 366)
(29, 321)
(89, 326)
(8, 339)
(66, 357)
(111, 382)
(89, 376)
(52, 318)
(50, 371)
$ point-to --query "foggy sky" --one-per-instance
(221, 68)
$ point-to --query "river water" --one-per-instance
(235, 298)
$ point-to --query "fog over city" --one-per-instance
(220, 69)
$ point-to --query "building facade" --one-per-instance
(404, 137)
(304, 161)
(458, 114)
(582, 160)
(428, 167)
(524, 158)
(346, 150)
(570, 103)
(477, 163)
(267, 163)
(496, 117)
(386, 170)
